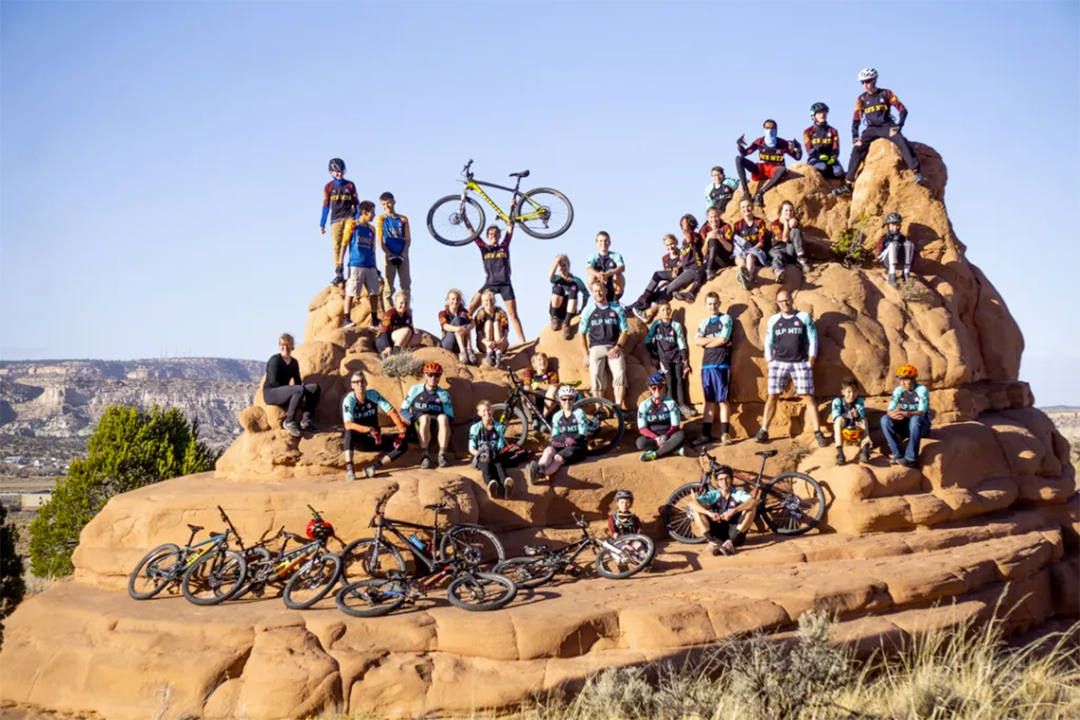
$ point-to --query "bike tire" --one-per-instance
(161, 573)
(606, 424)
(793, 504)
(221, 573)
(516, 421)
(560, 213)
(371, 598)
(317, 577)
(356, 560)
(462, 591)
(476, 545)
(444, 217)
(677, 518)
(526, 572)
(635, 559)
(254, 557)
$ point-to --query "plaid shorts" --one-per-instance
(800, 372)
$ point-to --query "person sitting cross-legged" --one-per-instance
(907, 418)
(487, 443)
(724, 514)
(427, 405)
(659, 423)
(569, 439)
(360, 413)
(848, 416)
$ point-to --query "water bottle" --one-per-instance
(417, 542)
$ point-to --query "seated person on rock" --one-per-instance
(487, 445)
(569, 439)
(358, 253)
(720, 190)
(285, 389)
(724, 514)
(608, 267)
(603, 336)
(396, 329)
(822, 144)
(691, 274)
(492, 326)
(891, 244)
(568, 295)
(360, 413)
(660, 430)
(908, 418)
(717, 242)
(539, 374)
(752, 241)
(770, 166)
(848, 416)
(428, 405)
(457, 327)
(787, 247)
(714, 337)
(669, 267)
(495, 254)
(666, 344)
(623, 521)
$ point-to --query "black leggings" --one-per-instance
(717, 257)
(665, 447)
(858, 152)
(365, 443)
(651, 293)
(694, 277)
(742, 165)
(726, 530)
(676, 381)
(494, 469)
(293, 398)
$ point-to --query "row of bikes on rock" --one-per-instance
(375, 579)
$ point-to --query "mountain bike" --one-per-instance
(791, 503)
(521, 414)
(205, 567)
(457, 220)
(376, 557)
(616, 558)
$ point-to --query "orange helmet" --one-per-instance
(851, 435)
(907, 371)
(433, 368)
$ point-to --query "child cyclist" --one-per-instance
(848, 416)
(623, 521)
(487, 445)
(569, 442)
(340, 202)
(358, 252)
(666, 343)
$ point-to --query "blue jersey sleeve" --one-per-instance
(651, 335)
(617, 259)
(375, 397)
(447, 403)
(623, 325)
(474, 435)
(642, 408)
(860, 407)
(583, 320)
(673, 412)
(769, 336)
(583, 422)
(348, 408)
(731, 183)
(593, 261)
(680, 336)
(836, 409)
(924, 398)
(501, 430)
(895, 400)
(702, 328)
(811, 333)
(581, 286)
(325, 216)
(410, 397)
(725, 327)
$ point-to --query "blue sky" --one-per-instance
(162, 163)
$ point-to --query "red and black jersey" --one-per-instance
(393, 320)
(889, 238)
(446, 317)
(754, 232)
(623, 524)
(777, 229)
(549, 377)
(671, 262)
(341, 199)
(725, 232)
(875, 109)
(689, 255)
(497, 259)
(774, 156)
(821, 140)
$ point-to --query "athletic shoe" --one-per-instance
(686, 411)
(681, 452)
(463, 358)
(919, 179)
(759, 200)
(892, 279)
(292, 428)
(907, 274)
(374, 327)
(471, 357)
(728, 548)
(489, 358)
(425, 462)
(714, 549)
(568, 331)
(864, 454)
(700, 440)
(350, 476)
(443, 462)
(894, 459)
(369, 471)
(647, 456)
(822, 441)
(762, 436)
(498, 358)
(840, 459)
(804, 265)
(744, 279)
(556, 323)
(780, 275)
(338, 280)
(638, 313)
(508, 487)
(305, 422)
(347, 324)
(844, 189)
(910, 464)
(725, 439)
(686, 297)
(493, 488)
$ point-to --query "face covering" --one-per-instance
(770, 137)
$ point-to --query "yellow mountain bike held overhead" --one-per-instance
(457, 220)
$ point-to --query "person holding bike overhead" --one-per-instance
(360, 412)
(495, 254)
(659, 423)
(487, 443)
(603, 336)
(608, 267)
(723, 515)
(426, 405)
(569, 441)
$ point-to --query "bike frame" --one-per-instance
(475, 186)
(569, 553)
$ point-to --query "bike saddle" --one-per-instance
(522, 174)
(766, 453)
(194, 528)
(534, 549)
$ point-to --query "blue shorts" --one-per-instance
(715, 381)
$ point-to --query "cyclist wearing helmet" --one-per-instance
(428, 404)
(787, 247)
(666, 343)
(724, 514)
(569, 440)
(358, 254)
(659, 423)
(770, 165)
(890, 245)
(907, 418)
(622, 521)
(874, 108)
(360, 412)
(396, 329)
(394, 237)
(340, 202)
(720, 190)
(848, 416)
(284, 388)
(603, 336)
(487, 443)
(823, 144)
(714, 336)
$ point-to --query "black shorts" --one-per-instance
(506, 290)
(366, 443)
(567, 289)
(572, 454)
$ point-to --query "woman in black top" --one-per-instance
(284, 388)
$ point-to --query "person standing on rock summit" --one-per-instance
(285, 389)
(340, 203)
(770, 167)
(791, 347)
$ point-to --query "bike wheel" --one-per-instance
(516, 421)
(447, 225)
(473, 544)
(312, 582)
(481, 591)
(372, 597)
(367, 559)
(154, 572)
(794, 503)
(256, 559)
(214, 578)
(526, 572)
(678, 520)
(633, 555)
(544, 213)
(606, 424)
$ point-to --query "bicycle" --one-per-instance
(457, 220)
(792, 503)
(616, 558)
(521, 414)
(206, 566)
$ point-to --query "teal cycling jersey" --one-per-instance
(494, 436)
(606, 263)
(602, 324)
(718, 326)
(852, 412)
(421, 401)
(365, 412)
(576, 424)
(658, 417)
(666, 341)
(715, 499)
(917, 400)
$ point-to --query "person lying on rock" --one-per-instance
(660, 430)
(284, 388)
(540, 373)
(495, 254)
(669, 267)
(724, 514)
(822, 144)
(848, 416)
(457, 327)
(907, 418)
(427, 405)
(568, 295)
(752, 240)
(358, 254)
(603, 337)
(714, 336)
(874, 108)
(891, 244)
(569, 440)
(691, 275)
(487, 443)
(787, 247)
(360, 413)
(720, 190)
(770, 166)
(396, 329)
(623, 521)
(608, 267)
(666, 343)
(791, 348)
(717, 242)
(492, 326)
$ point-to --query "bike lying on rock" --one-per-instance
(616, 558)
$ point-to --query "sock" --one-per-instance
(725, 428)
(376, 465)
(558, 312)
(706, 429)
(348, 466)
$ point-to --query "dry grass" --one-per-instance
(403, 364)
(916, 291)
(796, 453)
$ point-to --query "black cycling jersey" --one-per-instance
(496, 260)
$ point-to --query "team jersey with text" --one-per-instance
(791, 338)
(603, 324)
(421, 401)
(364, 412)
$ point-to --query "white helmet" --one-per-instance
(567, 391)
(867, 74)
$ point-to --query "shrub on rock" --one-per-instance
(12, 586)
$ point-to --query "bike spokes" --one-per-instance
(544, 213)
(793, 504)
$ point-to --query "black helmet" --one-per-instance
(621, 494)
(724, 470)
(337, 165)
(893, 218)
(818, 107)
